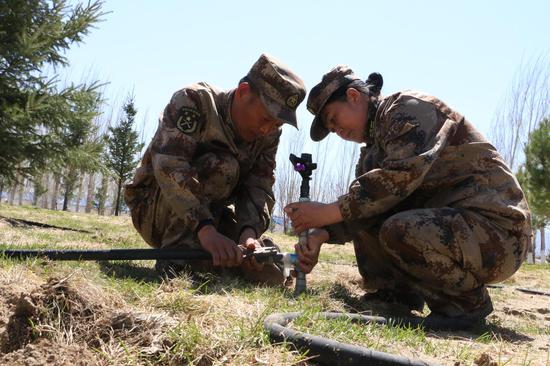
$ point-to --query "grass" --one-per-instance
(212, 320)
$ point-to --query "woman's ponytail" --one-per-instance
(374, 84)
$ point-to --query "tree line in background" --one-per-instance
(52, 136)
(521, 133)
(60, 142)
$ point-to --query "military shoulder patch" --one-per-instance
(188, 120)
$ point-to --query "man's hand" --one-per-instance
(307, 215)
(225, 251)
(246, 234)
(248, 241)
(308, 255)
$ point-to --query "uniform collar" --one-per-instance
(227, 100)
(371, 122)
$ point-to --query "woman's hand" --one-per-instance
(251, 264)
(308, 254)
(307, 215)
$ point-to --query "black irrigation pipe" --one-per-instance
(123, 254)
(14, 221)
(330, 352)
(107, 254)
(522, 289)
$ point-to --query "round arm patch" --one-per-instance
(188, 120)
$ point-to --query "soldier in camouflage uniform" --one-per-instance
(434, 212)
(206, 178)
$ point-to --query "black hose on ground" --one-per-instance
(522, 289)
(262, 255)
(329, 352)
(16, 222)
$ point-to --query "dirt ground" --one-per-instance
(60, 321)
(50, 317)
(33, 310)
(519, 325)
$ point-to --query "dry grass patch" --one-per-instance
(121, 313)
(75, 315)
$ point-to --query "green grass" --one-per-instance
(219, 319)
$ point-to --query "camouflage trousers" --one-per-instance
(161, 227)
(447, 255)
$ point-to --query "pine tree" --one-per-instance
(537, 167)
(82, 151)
(122, 148)
(34, 113)
(533, 177)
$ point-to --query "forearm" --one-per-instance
(332, 213)
(247, 233)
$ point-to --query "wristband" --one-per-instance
(202, 224)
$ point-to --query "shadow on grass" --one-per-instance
(221, 282)
(126, 270)
(493, 331)
(355, 304)
(203, 283)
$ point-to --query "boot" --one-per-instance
(468, 319)
(411, 300)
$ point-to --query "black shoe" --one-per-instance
(411, 300)
(469, 319)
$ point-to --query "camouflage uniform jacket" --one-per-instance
(422, 154)
(196, 121)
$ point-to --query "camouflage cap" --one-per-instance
(280, 89)
(333, 80)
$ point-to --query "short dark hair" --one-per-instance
(340, 94)
(371, 87)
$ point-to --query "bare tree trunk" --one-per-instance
(55, 193)
(80, 189)
(112, 193)
(69, 182)
(103, 193)
(46, 183)
(90, 193)
(530, 250)
(66, 198)
(20, 192)
(11, 194)
(37, 191)
(534, 249)
(117, 200)
(542, 246)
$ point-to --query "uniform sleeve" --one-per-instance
(255, 201)
(338, 233)
(172, 149)
(412, 135)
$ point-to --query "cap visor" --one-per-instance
(282, 113)
(317, 131)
